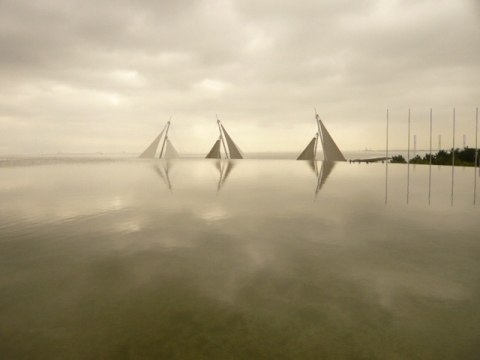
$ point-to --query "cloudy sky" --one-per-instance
(105, 76)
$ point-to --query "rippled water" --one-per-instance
(133, 259)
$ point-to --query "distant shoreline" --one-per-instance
(464, 157)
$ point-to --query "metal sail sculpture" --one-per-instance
(167, 151)
(170, 152)
(150, 151)
(215, 151)
(331, 152)
(225, 140)
(309, 152)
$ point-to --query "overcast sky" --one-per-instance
(106, 75)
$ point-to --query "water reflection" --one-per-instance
(162, 168)
(408, 182)
(475, 187)
(256, 270)
(224, 168)
(453, 181)
(430, 179)
(321, 173)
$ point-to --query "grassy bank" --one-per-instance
(465, 157)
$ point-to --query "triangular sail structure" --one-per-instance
(215, 151)
(170, 152)
(232, 148)
(167, 149)
(151, 150)
(225, 140)
(309, 152)
(331, 152)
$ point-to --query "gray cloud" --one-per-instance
(105, 76)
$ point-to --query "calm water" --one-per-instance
(199, 259)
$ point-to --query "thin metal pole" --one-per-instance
(321, 135)
(476, 158)
(386, 164)
(430, 163)
(165, 139)
(453, 153)
(453, 140)
(408, 157)
(431, 121)
(221, 138)
(387, 137)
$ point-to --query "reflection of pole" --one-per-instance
(165, 178)
(168, 178)
(221, 138)
(165, 139)
(219, 186)
(315, 149)
(319, 180)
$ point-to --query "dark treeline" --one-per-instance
(465, 157)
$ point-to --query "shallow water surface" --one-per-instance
(137, 259)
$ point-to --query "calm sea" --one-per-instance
(118, 258)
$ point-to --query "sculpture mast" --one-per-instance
(319, 134)
(165, 139)
(221, 138)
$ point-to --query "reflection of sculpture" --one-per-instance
(322, 173)
(162, 170)
(224, 167)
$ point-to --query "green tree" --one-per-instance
(398, 159)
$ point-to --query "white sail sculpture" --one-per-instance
(167, 150)
(225, 140)
(170, 152)
(150, 151)
(310, 150)
(331, 152)
(215, 153)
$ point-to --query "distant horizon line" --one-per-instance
(201, 153)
